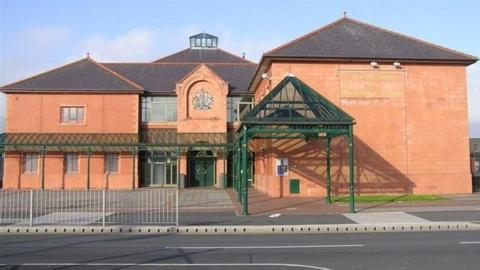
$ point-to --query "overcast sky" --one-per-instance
(38, 35)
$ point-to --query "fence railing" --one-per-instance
(89, 207)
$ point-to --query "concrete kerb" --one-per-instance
(247, 229)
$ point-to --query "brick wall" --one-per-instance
(40, 113)
(411, 134)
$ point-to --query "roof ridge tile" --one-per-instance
(237, 56)
(116, 74)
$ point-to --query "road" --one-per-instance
(435, 250)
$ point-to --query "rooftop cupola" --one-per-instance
(203, 41)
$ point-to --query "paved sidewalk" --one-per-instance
(204, 200)
(265, 210)
(229, 218)
(261, 204)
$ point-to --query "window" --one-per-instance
(30, 162)
(233, 104)
(159, 109)
(71, 163)
(111, 163)
(71, 114)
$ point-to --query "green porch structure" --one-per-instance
(292, 110)
(87, 143)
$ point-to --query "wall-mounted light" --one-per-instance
(374, 64)
(397, 64)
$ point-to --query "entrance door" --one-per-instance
(201, 169)
(158, 173)
(158, 168)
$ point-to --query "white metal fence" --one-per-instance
(89, 207)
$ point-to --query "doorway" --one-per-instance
(201, 168)
(159, 168)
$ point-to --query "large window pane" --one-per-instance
(65, 117)
(111, 163)
(73, 114)
(232, 107)
(80, 113)
(71, 163)
(30, 162)
(159, 109)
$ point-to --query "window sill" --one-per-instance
(159, 122)
(74, 124)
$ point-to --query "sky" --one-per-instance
(38, 35)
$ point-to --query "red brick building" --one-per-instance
(174, 121)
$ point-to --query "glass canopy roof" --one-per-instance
(294, 102)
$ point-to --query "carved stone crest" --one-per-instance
(202, 100)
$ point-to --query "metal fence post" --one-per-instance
(176, 207)
(31, 207)
(103, 207)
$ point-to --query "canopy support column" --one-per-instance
(234, 168)
(244, 149)
(351, 169)
(133, 167)
(238, 175)
(178, 167)
(89, 153)
(42, 184)
(329, 198)
(224, 170)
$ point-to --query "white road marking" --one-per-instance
(470, 243)
(180, 264)
(269, 247)
(385, 217)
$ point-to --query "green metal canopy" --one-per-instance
(145, 138)
(294, 102)
(292, 110)
(151, 139)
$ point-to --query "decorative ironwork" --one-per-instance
(202, 100)
(294, 102)
(152, 138)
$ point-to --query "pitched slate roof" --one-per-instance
(215, 55)
(158, 77)
(84, 75)
(162, 77)
(348, 38)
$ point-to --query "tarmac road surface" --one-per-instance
(425, 250)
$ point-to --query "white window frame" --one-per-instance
(166, 104)
(243, 103)
(71, 114)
